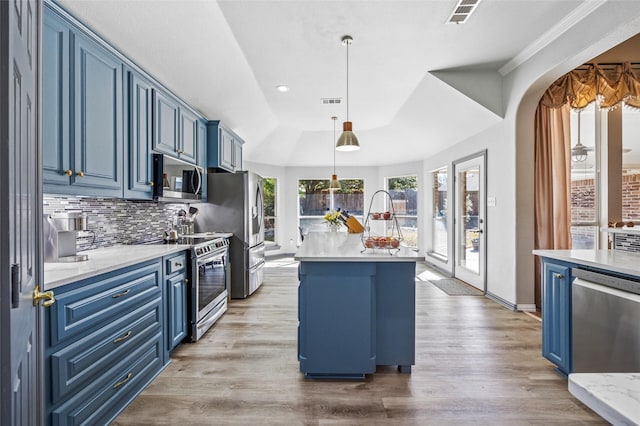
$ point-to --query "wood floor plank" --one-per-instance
(476, 363)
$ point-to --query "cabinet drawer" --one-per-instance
(94, 303)
(100, 402)
(78, 364)
(176, 264)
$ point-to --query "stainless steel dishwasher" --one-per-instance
(606, 323)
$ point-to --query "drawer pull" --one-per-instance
(123, 381)
(121, 338)
(124, 293)
(178, 264)
(559, 276)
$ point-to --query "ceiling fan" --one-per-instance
(579, 152)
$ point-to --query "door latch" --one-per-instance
(47, 296)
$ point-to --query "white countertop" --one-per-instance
(344, 247)
(105, 260)
(611, 260)
(623, 230)
(614, 396)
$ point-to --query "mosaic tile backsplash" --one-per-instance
(627, 242)
(116, 221)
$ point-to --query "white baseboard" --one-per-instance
(526, 307)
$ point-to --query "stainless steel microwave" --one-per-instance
(176, 180)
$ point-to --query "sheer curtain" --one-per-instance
(552, 182)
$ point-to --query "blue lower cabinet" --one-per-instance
(175, 279)
(354, 316)
(105, 342)
(556, 314)
(103, 400)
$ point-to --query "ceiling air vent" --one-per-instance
(331, 101)
(462, 11)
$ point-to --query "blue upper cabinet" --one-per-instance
(98, 119)
(138, 174)
(188, 136)
(175, 128)
(56, 159)
(83, 113)
(202, 157)
(166, 115)
(224, 148)
(556, 314)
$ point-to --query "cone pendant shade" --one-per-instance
(334, 184)
(348, 140)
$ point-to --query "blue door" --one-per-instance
(138, 176)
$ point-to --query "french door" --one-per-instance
(469, 228)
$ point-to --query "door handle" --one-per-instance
(480, 231)
(47, 296)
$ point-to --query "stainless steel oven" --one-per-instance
(209, 285)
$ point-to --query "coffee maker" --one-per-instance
(59, 234)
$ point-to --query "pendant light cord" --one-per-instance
(348, 79)
(332, 144)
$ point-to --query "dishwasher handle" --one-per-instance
(620, 283)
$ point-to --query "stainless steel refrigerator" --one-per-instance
(235, 204)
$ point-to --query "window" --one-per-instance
(439, 215)
(270, 211)
(630, 165)
(584, 194)
(404, 197)
(315, 199)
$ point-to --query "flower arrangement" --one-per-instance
(331, 216)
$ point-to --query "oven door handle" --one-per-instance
(207, 260)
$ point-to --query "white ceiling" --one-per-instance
(226, 57)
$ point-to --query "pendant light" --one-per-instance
(334, 184)
(579, 151)
(348, 140)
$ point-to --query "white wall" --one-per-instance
(510, 148)
(510, 155)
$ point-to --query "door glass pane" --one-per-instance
(269, 186)
(584, 196)
(468, 214)
(439, 217)
(630, 165)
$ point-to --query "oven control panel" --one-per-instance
(203, 249)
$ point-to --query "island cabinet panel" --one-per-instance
(104, 343)
(396, 314)
(337, 319)
(354, 316)
(556, 314)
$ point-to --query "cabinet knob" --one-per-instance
(68, 172)
(559, 276)
(180, 151)
(151, 183)
(80, 173)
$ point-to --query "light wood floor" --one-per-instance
(476, 363)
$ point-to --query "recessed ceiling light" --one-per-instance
(282, 88)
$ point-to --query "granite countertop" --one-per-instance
(611, 260)
(344, 247)
(614, 396)
(105, 260)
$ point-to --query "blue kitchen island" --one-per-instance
(355, 310)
